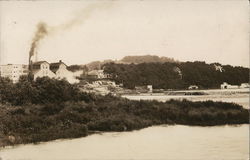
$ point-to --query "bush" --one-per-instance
(42, 91)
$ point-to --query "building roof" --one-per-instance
(36, 66)
(55, 66)
(39, 62)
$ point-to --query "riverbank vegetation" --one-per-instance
(48, 109)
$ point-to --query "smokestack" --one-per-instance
(43, 30)
(40, 33)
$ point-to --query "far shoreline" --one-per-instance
(183, 92)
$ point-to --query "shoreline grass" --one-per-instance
(45, 122)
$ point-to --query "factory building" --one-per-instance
(13, 71)
(42, 69)
(38, 69)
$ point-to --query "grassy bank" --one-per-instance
(44, 122)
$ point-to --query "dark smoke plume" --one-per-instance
(42, 31)
(45, 30)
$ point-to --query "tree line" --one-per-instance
(176, 75)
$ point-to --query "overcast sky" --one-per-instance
(85, 31)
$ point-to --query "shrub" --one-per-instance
(42, 91)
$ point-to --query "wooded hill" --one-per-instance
(125, 60)
(146, 59)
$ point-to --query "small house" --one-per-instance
(244, 85)
(150, 88)
(144, 89)
(98, 74)
(193, 87)
(225, 85)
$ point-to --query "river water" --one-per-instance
(176, 142)
(242, 99)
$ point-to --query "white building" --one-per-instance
(13, 71)
(99, 74)
(218, 68)
(193, 87)
(150, 88)
(61, 72)
(178, 70)
(225, 85)
(42, 69)
(244, 85)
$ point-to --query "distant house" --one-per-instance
(178, 70)
(150, 88)
(225, 85)
(218, 68)
(42, 69)
(98, 74)
(193, 87)
(144, 89)
(244, 85)
(13, 71)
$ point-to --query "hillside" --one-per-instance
(146, 59)
(125, 60)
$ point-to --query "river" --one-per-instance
(158, 142)
(239, 96)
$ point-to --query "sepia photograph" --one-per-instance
(124, 79)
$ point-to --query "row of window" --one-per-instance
(17, 71)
